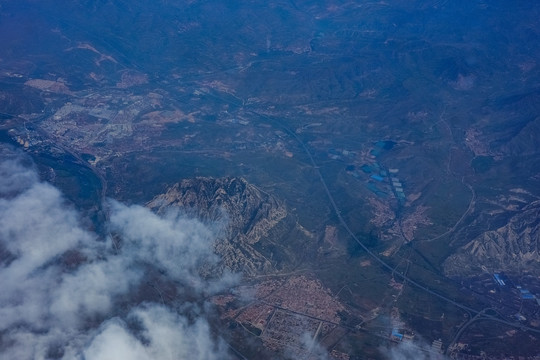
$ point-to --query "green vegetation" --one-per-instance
(482, 164)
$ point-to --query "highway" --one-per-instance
(374, 256)
(464, 327)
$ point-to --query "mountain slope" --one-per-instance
(257, 227)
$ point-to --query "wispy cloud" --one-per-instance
(163, 334)
(67, 294)
(315, 351)
(16, 172)
(411, 350)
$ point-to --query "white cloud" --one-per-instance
(14, 174)
(115, 342)
(409, 350)
(36, 228)
(62, 286)
(92, 290)
(179, 245)
(166, 336)
(315, 351)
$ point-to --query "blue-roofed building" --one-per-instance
(526, 294)
(396, 335)
(377, 177)
(498, 279)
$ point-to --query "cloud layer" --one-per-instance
(164, 335)
(409, 350)
(68, 294)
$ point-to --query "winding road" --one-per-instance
(374, 256)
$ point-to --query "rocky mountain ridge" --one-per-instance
(256, 225)
(513, 247)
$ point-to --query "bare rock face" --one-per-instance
(255, 223)
(512, 248)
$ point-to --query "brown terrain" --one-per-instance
(256, 224)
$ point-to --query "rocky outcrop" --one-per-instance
(254, 224)
(511, 248)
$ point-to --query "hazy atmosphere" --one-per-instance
(318, 179)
